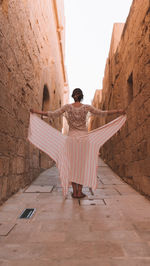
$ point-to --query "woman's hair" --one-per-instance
(77, 94)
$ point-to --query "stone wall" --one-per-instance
(95, 121)
(126, 86)
(32, 75)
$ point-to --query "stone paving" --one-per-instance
(109, 228)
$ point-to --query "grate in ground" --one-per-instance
(27, 213)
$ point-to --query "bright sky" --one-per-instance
(89, 25)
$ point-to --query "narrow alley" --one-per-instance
(109, 228)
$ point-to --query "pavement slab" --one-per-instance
(108, 228)
(39, 189)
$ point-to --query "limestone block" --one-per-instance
(16, 181)
(21, 147)
(129, 170)
(45, 161)
(128, 155)
(141, 150)
(3, 144)
(5, 97)
(144, 166)
(4, 187)
(23, 115)
(142, 183)
(148, 146)
(13, 165)
(1, 182)
(147, 107)
(35, 161)
(20, 131)
(20, 165)
(7, 144)
(27, 165)
(4, 166)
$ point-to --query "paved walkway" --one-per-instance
(111, 228)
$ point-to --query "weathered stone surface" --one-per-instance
(32, 75)
(126, 86)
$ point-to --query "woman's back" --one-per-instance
(76, 116)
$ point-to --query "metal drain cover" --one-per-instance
(27, 213)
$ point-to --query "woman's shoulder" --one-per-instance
(70, 105)
(65, 106)
(73, 105)
(87, 106)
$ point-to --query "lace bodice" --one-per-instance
(76, 116)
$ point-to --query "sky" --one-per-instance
(88, 30)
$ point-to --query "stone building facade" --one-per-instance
(126, 86)
(32, 75)
(95, 121)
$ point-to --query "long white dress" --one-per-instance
(75, 155)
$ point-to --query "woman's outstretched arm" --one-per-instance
(96, 111)
(38, 112)
(51, 114)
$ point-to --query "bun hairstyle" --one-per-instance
(77, 95)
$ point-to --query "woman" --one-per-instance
(76, 114)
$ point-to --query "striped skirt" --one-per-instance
(76, 156)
